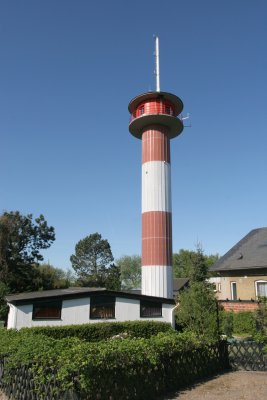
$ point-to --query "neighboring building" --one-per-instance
(84, 305)
(242, 273)
(179, 284)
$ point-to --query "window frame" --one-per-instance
(45, 304)
(233, 295)
(256, 286)
(109, 304)
(149, 304)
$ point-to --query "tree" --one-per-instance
(199, 270)
(91, 259)
(130, 269)
(21, 240)
(112, 277)
(49, 277)
(4, 290)
(197, 311)
(184, 261)
(198, 308)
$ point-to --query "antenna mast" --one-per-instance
(157, 63)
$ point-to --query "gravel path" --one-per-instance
(2, 396)
(239, 385)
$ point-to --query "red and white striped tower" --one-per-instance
(154, 120)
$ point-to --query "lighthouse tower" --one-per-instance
(155, 120)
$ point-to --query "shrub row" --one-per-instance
(241, 323)
(103, 330)
(112, 369)
(245, 323)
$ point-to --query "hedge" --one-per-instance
(243, 323)
(103, 330)
(112, 369)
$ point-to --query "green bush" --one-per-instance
(197, 311)
(261, 320)
(227, 323)
(103, 330)
(241, 323)
(111, 369)
(244, 323)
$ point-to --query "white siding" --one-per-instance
(74, 311)
(156, 186)
(127, 309)
(77, 311)
(12, 316)
(157, 281)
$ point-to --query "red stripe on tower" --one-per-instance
(156, 238)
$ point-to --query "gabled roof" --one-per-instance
(77, 292)
(42, 294)
(179, 284)
(249, 253)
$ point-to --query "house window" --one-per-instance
(150, 309)
(47, 310)
(261, 288)
(102, 307)
(233, 291)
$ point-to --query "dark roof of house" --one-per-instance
(77, 292)
(179, 283)
(249, 253)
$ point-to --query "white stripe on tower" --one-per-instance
(156, 213)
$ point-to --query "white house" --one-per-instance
(85, 305)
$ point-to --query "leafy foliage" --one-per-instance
(261, 319)
(130, 269)
(185, 260)
(91, 254)
(21, 240)
(197, 311)
(49, 277)
(90, 262)
(103, 330)
(111, 277)
(244, 323)
(227, 323)
(4, 290)
(119, 369)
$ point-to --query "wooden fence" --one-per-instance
(247, 355)
(20, 385)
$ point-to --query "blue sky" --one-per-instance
(68, 70)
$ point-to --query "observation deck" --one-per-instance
(155, 108)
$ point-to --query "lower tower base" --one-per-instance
(157, 281)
